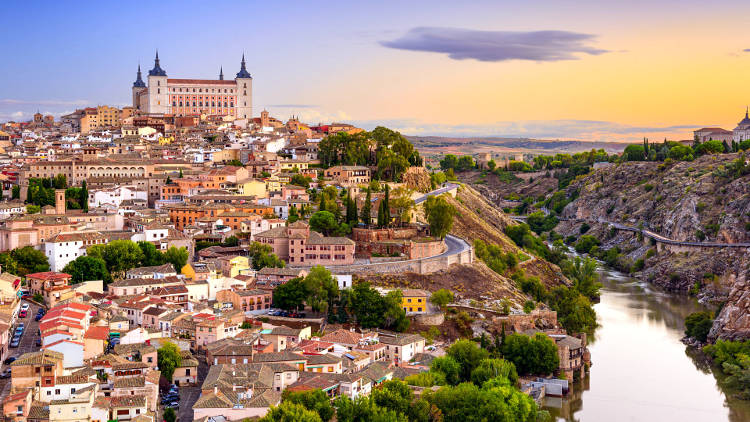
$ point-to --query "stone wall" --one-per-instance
(430, 319)
(420, 266)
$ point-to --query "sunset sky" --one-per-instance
(591, 70)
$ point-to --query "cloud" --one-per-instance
(495, 46)
(747, 50)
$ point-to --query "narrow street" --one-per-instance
(27, 345)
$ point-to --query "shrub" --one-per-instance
(585, 243)
(698, 324)
(584, 228)
(648, 187)
(528, 306)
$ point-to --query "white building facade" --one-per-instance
(192, 97)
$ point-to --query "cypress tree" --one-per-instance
(84, 198)
(367, 209)
(322, 206)
(350, 219)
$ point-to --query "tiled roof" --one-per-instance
(128, 401)
(42, 357)
(98, 332)
(129, 382)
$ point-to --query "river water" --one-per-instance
(641, 371)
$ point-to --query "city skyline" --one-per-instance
(596, 71)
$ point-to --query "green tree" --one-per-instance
(151, 256)
(315, 400)
(321, 288)
(497, 400)
(263, 256)
(373, 310)
(169, 415)
(574, 311)
(29, 260)
(293, 215)
(395, 395)
(323, 222)
(491, 368)
(177, 257)
(8, 264)
(468, 355)
(84, 198)
(119, 255)
(366, 214)
(448, 370)
(531, 355)
(584, 276)
(364, 409)
(86, 268)
(698, 324)
(634, 152)
(168, 358)
(15, 192)
(290, 412)
(441, 297)
(301, 180)
(290, 295)
(439, 215)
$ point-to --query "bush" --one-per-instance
(584, 228)
(698, 324)
(529, 306)
(585, 243)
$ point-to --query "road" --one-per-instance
(453, 245)
(446, 188)
(27, 343)
(189, 395)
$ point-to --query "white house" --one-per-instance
(72, 352)
(115, 196)
(64, 388)
(62, 248)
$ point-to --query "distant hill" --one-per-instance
(428, 145)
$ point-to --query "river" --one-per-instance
(641, 371)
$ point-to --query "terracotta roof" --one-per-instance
(49, 275)
(97, 332)
(42, 357)
(200, 82)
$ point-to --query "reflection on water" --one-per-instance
(641, 371)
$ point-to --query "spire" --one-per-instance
(221, 73)
(139, 81)
(243, 73)
(157, 70)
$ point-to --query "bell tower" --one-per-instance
(59, 201)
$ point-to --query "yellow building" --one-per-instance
(100, 117)
(236, 265)
(290, 165)
(414, 300)
(252, 187)
(273, 183)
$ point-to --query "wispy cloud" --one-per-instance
(747, 50)
(495, 46)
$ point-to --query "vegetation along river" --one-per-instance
(641, 371)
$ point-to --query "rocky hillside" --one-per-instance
(478, 219)
(698, 201)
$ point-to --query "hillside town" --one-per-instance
(205, 261)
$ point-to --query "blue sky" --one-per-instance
(538, 68)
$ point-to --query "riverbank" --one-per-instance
(642, 371)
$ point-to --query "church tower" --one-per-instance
(138, 88)
(158, 93)
(244, 92)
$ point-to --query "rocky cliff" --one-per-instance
(733, 322)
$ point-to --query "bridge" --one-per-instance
(662, 242)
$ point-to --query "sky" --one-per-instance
(589, 70)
